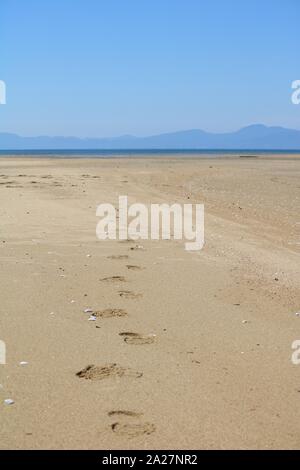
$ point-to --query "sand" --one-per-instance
(188, 350)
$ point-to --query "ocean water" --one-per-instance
(149, 153)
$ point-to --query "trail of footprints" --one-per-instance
(126, 423)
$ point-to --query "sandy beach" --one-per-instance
(189, 350)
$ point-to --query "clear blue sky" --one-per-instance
(111, 67)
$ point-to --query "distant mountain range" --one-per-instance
(255, 137)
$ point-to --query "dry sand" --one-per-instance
(217, 373)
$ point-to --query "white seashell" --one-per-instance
(9, 401)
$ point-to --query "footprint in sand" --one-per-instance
(132, 267)
(92, 372)
(110, 313)
(8, 182)
(118, 257)
(131, 414)
(130, 429)
(127, 294)
(136, 338)
(114, 279)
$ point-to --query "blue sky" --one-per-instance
(105, 68)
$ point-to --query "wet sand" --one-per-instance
(188, 350)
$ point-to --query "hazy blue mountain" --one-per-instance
(256, 136)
